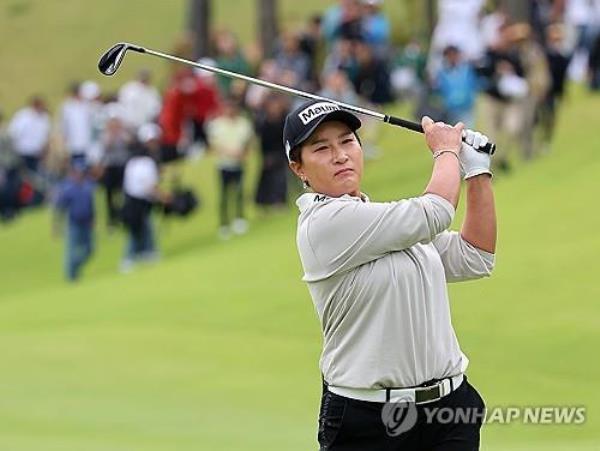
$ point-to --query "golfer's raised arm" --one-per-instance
(470, 254)
(445, 142)
(479, 227)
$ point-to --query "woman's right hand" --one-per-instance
(441, 136)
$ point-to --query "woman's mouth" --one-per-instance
(343, 171)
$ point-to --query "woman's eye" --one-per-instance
(347, 140)
(320, 148)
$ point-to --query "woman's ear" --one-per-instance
(297, 169)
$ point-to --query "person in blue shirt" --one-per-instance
(75, 200)
(457, 84)
(376, 27)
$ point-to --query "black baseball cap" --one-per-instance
(302, 122)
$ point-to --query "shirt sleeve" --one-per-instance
(62, 200)
(462, 261)
(15, 127)
(344, 234)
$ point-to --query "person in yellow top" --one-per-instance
(230, 135)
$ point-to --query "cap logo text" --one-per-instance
(314, 111)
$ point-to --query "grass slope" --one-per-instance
(217, 347)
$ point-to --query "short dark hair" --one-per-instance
(296, 155)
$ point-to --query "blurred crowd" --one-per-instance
(122, 143)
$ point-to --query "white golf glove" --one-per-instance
(473, 162)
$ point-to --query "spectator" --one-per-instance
(558, 62)
(140, 100)
(491, 26)
(76, 125)
(255, 94)
(372, 79)
(582, 17)
(229, 57)
(456, 83)
(336, 86)
(290, 58)
(229, 135)
(191, 98)
(91, 93)
(311, 44)
(506, 89)
(542, 14)
(343, 21)
(178, 110)
(29, 131)
(376, 27)
(115, 143)
(141, 188)
(458, 25)
(9, 176)
(594, 66)
(408, 71)
(272, 184)
(75, 199)
(537, 76)
(207, 103)
(342, 57)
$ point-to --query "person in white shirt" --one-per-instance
(29, 131)
(377, 274)
(140, 186)
(76, 120)
(458, 25)
(584, 17)
(140, 100)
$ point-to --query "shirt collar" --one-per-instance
(307, 199)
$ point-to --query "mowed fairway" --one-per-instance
(216, 348)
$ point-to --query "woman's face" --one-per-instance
(332, 160)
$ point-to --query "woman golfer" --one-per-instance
(377, 273)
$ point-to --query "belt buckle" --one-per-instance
(429, 394)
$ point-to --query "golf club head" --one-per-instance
(111, 60)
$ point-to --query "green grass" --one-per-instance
(217, 346)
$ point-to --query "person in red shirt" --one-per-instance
(189, 100)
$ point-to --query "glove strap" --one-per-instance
(477, 172)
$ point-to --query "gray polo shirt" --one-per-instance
(377, 274)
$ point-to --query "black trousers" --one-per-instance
(231, 186)
(113, 183)
(350, 425)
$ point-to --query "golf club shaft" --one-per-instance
(267, 84)
(414, 126)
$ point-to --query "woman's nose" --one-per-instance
(339, 155)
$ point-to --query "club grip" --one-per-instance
(489, 148)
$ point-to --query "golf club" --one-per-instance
(111, 61)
